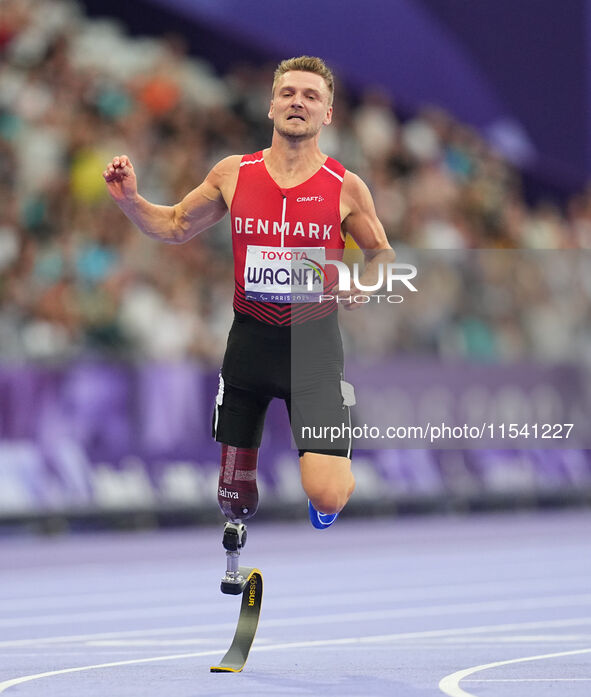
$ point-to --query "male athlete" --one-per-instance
(288, 202)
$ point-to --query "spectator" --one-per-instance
(73, 277)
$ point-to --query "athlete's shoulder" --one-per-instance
(223, 170)
(252, 158)
(335, 168)
(228, 164)
(354, 186)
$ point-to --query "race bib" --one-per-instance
(284, 274)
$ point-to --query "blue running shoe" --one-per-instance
(320, 520)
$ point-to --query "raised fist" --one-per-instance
(120, 178)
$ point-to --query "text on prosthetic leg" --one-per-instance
(238, 496)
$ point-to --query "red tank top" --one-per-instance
(265, 215)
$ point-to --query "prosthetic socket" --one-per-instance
(238, 496)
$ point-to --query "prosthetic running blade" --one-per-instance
(250, 609)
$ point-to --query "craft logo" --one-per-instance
(310, 199)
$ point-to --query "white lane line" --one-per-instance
(35, 603)
(274, 647)
(524, 639)
(90, 599)
(515, 604)
(412, 642)
(531, 680)
(404, 636)
(136, 653)
(446, 684)
(450, 684)
(102, 616)
(28, 678)
(55, 575)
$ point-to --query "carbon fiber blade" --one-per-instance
(248, 620)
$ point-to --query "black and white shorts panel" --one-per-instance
(263, 362)
(239, 416)
(321, 419)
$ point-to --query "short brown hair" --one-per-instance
(307, 64)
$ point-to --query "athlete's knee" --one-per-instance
(331, 498)
(238, 496)
(328, 482)
(327, 502)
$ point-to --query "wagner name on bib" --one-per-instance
(284, 274)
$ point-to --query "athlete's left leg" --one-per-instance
(327, 480)
(319, 411)
(325, 462)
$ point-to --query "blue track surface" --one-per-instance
(382, 607)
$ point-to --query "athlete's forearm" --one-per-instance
(158, 222)
(374, 260)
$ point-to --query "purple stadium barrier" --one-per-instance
(109, 436)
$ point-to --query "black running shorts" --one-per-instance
(301, 364)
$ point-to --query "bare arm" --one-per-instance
(200, 209)
(362, 223)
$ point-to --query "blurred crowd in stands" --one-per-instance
(76, 278)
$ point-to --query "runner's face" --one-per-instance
(300, 105)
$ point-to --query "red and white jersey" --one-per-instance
(269, 225)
